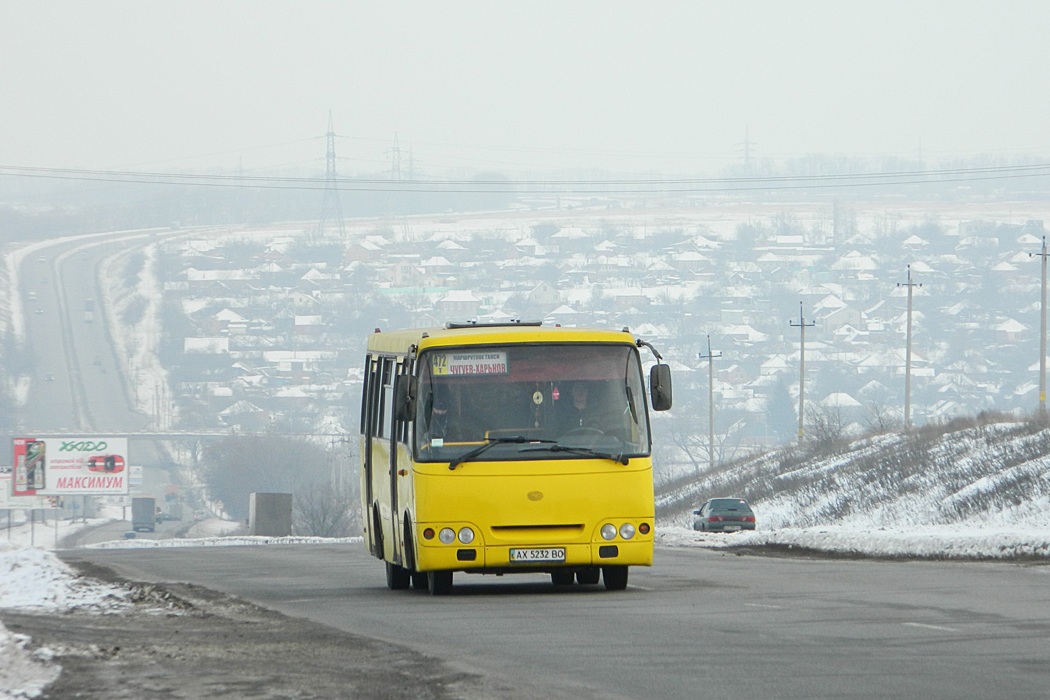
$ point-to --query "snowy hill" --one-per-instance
(964, 479)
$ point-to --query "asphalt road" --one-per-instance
(700, 623)
(78, 382)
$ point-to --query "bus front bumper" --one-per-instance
(504, 559)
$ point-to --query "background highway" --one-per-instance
(80, 385)
(700, 623)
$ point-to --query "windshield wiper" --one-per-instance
(492, 442)
(620, 458)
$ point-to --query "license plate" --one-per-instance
(524, 556)
(731, 528)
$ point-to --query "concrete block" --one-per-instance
(270, 514)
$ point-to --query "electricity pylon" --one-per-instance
(330, 200)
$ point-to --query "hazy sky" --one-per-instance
(502, 85)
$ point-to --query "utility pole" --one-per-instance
(330, 199)
(907, 356)
(1042, 334)
(710, 357)
(802, 325)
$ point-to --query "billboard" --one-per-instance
(61, 466)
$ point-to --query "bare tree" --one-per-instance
(325, 510)
(882, 419)
(826, 429)
(240, 465)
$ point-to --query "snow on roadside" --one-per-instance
(137, 343)
(23, 674)
(33, 579)
(934, 542)
(231, 541)
(36, 580)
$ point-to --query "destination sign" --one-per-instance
(469, 363)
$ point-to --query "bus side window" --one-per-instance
(366, 395)
(371, 412)
(403, 375)
(386, 397)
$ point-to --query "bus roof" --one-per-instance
(398, 342)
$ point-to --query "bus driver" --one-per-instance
(582, 412)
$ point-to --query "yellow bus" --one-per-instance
(508, 447)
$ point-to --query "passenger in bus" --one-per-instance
(448, 424)
(438, 424)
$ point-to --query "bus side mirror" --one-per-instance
(660, 387)
(405, 398)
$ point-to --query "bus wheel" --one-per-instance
(588, 576)
(439, 582)
(615, 577)
(419, 579)
(377, 534)
(397, 577)
(562, 577)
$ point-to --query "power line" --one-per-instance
(580, 186)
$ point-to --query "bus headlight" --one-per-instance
(447, 535)
(608, 531)
(466, 535)
(627, 531)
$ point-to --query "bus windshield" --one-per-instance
(528, 402)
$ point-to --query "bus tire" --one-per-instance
(419, 578)
(615, 577)
(439, 582)
(397, 577)
(588, 576)
(562, 577)
(410, 548)
(377, 534)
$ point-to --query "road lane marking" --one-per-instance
(930, 627)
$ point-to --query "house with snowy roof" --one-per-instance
(1009, 331)
(458, 303)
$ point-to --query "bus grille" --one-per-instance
(537, 533)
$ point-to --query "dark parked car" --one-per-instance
(724, 515)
